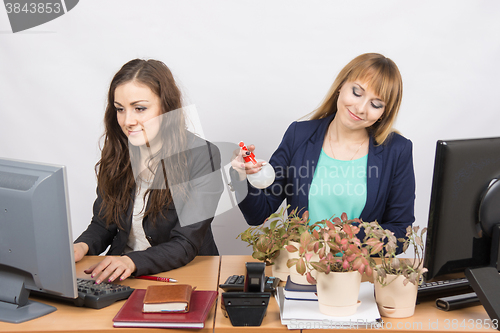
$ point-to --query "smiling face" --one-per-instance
(358, 107)
(137, 112)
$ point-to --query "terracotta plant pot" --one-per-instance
(338, 293)
(295, 277)
(396, 300)
(280, 269)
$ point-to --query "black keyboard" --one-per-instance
(98, 296)
(237, 283)
(452, 286)
(92, 295)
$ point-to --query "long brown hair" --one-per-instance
(115, 176)
(383, 78)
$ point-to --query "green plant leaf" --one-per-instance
(273, 224)
(301, 266)
(305, 238)
(259, 255)
(291, 262)
(320, 267)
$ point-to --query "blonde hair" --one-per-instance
(383, 77)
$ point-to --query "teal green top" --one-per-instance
(337, 187)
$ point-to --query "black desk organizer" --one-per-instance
(248, 308)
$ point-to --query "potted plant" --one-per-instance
(396, 279)
(341, 259)
(269, 239)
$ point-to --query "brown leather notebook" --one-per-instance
(167, 298)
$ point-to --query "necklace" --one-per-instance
(331, 149)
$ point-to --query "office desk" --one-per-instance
(427, 317)
(202, 272)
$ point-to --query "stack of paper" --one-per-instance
(304, 314)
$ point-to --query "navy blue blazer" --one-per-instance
(390, 178)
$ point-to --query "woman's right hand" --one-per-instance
(248, 168)
(80, 250)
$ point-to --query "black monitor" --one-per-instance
(36, 251)
(464, 207)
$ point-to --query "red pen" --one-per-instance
(155, 278)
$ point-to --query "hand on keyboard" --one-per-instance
(112, 268)
(98, 296)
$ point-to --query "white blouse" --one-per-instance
(137, 238)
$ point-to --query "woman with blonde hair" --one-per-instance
(345, 158)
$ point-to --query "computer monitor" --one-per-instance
(463, 200)
(36, 251)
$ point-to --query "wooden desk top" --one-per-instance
(202, 272)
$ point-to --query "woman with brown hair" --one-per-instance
(345, 158)
(158, 184)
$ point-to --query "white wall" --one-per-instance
(251, 68)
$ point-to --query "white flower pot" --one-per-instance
(280, 269)
(295, 277)
(396, 300)
(338, 293)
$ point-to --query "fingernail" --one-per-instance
(109, 280)
(264, 163)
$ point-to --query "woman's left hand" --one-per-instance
(112, 268)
